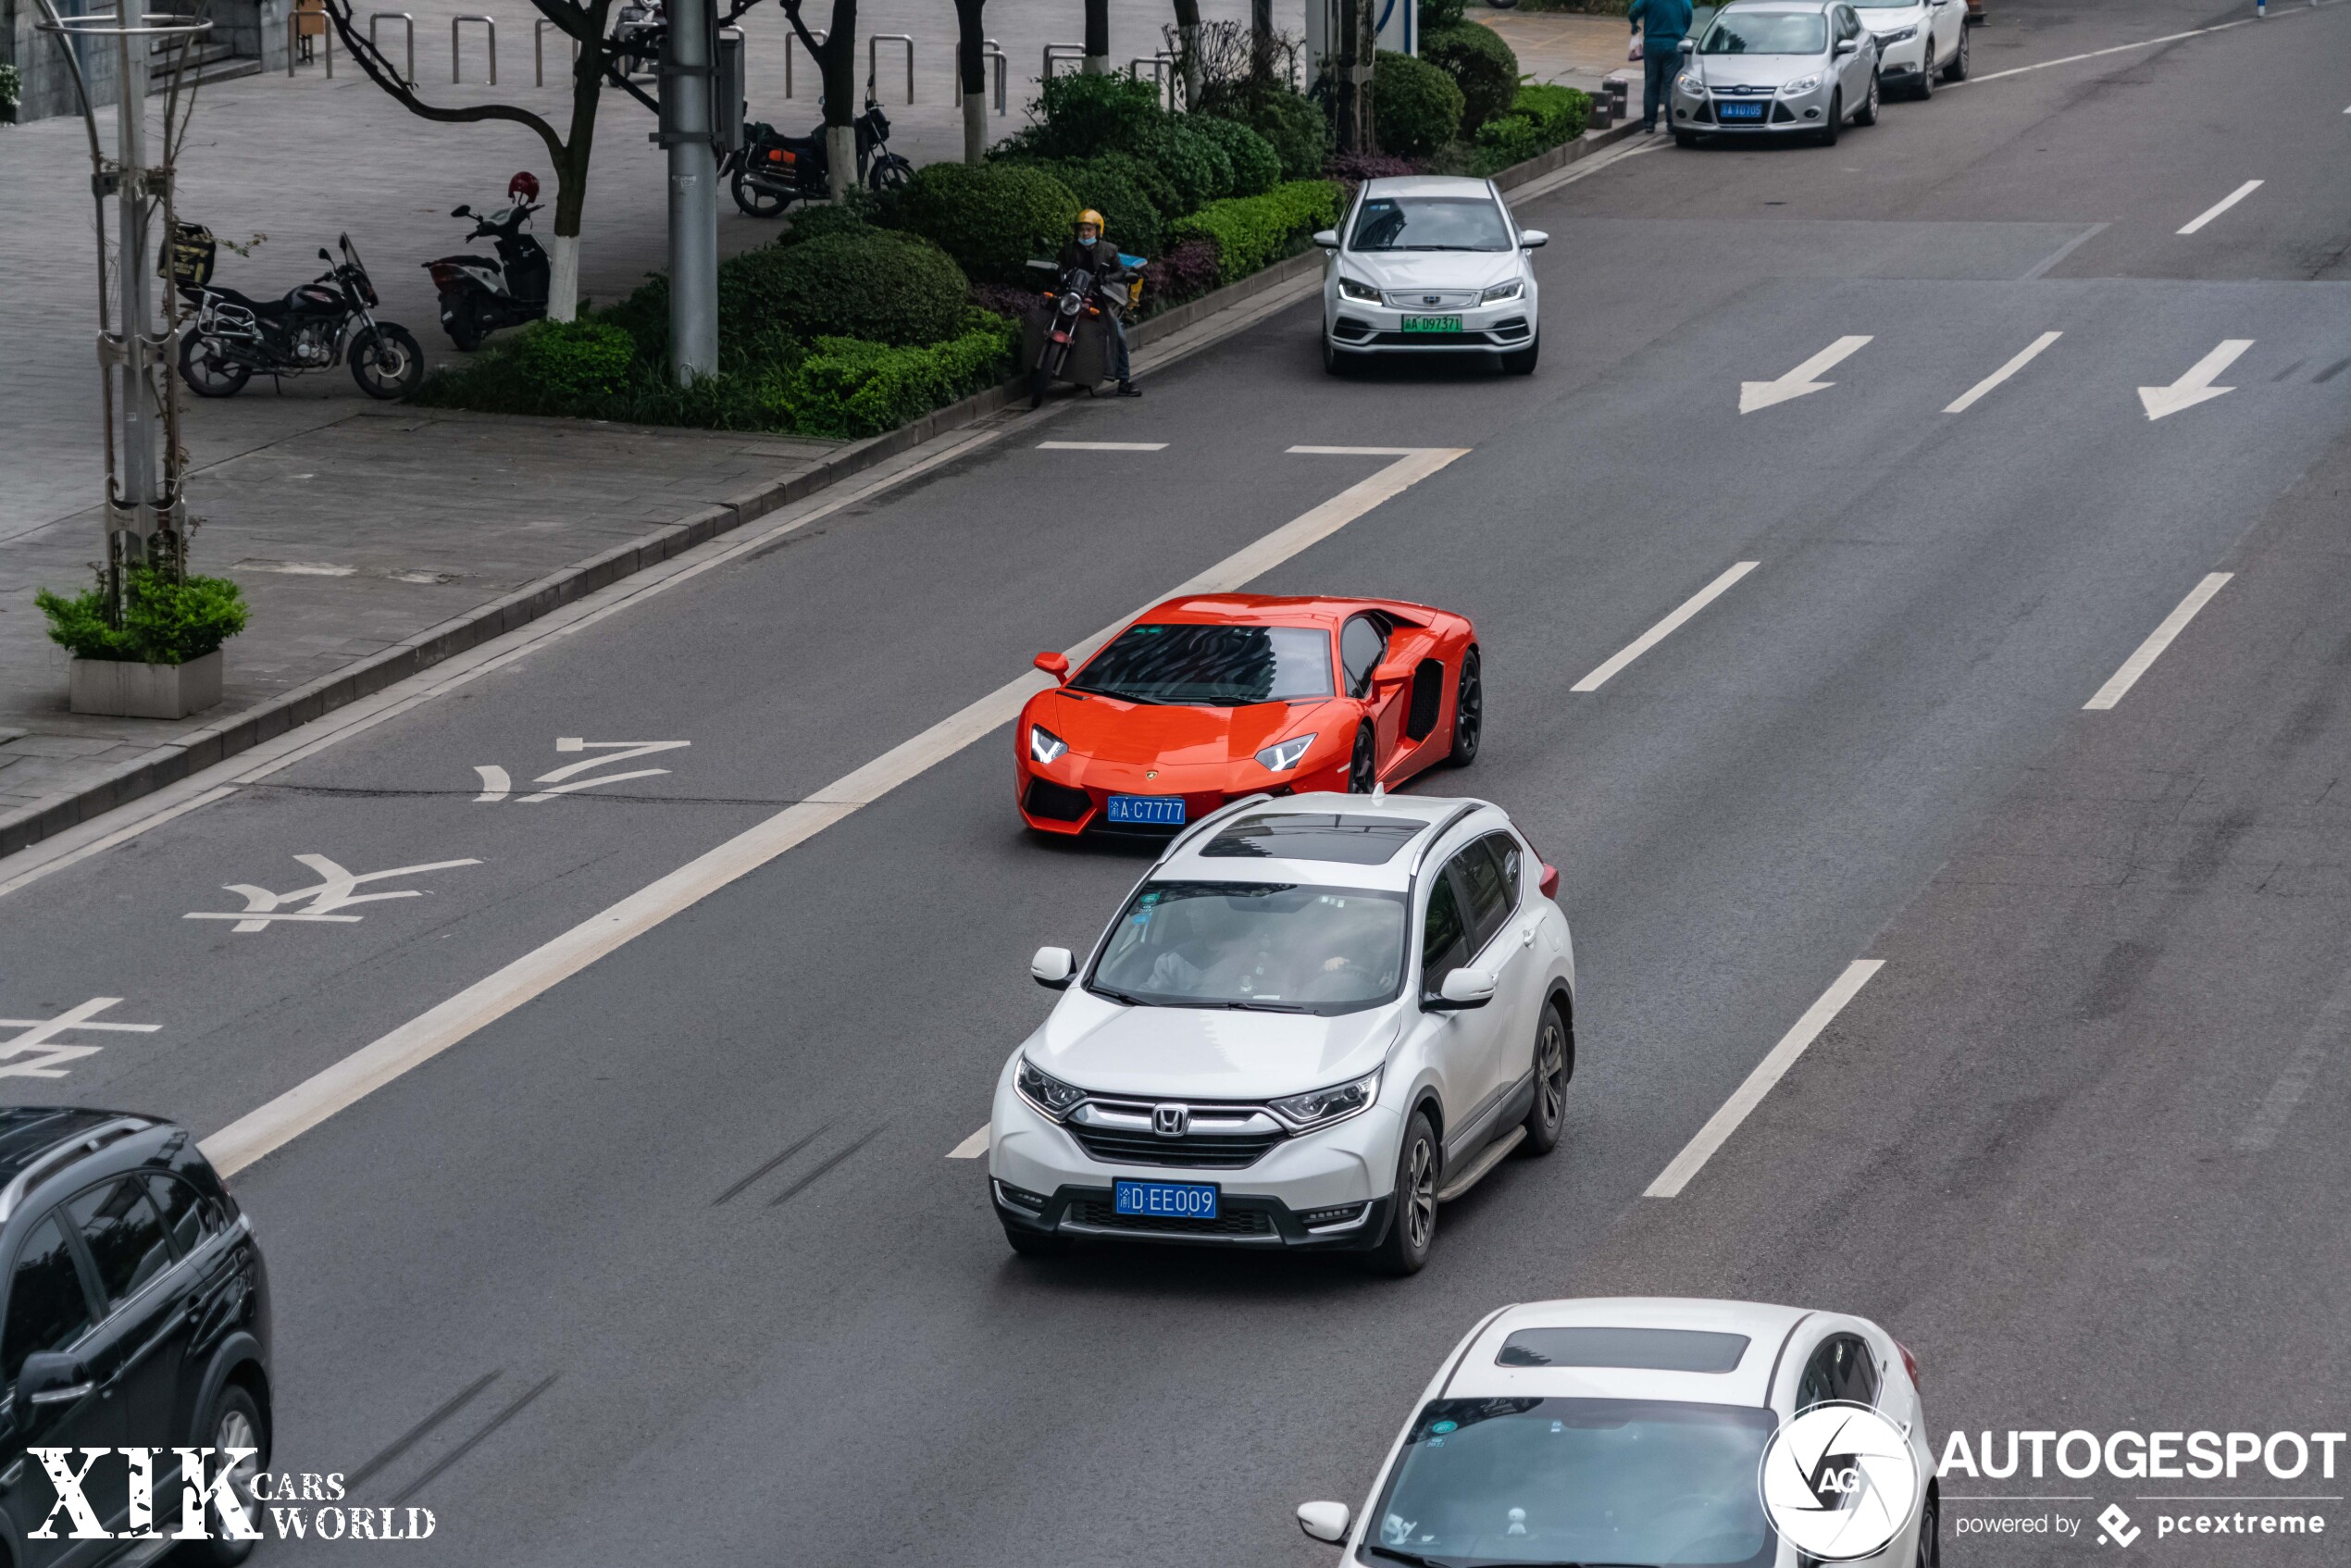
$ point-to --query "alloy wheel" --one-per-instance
(1419, 1217)
(1469, 710)
(1362, 770)
(1550, 1070)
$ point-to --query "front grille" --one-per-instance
(1230, 1151)
(1435, 340)
(1455, 299)
(1056, 802)
(1094, 1211)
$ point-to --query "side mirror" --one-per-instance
(1687, 46)
(51, 1377)
(461, 210)
(1532, 239)
(1464, 988)
(1549, 882)
(1052, 969)
(1052, 663)
(323, 255)
(1329, 239)
(1848, 47)
(1325, 1521)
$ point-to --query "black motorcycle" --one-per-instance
(316, 326)
(769, 171)
(481, 293)
(1070, 339)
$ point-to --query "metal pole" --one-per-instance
(136, 518)
(687, 57)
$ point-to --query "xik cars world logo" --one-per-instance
(212, 1502)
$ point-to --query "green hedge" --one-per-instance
(573, 362)
(1293, 125)
(1193, 160)
(1540, 118)
(848, 387)
(880, 285)
(1416, 106)
(1252, 232)
(1257, 167)
(166, 622)
(992, 218)
(1131, 219)
(1481, 65)
(1078, 116)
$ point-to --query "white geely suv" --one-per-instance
(1316, 1018)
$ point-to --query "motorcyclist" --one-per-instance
(1086, 248)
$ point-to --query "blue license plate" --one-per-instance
(1156, 811)
(1739, 111)
(1174, 1199)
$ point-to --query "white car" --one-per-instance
(1634, 1430)
(1918, 41)
(1316, 1018)
(1428, 264)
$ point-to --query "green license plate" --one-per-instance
(1431, 323)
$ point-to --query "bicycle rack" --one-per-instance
(538, 51)
(822, 35)
(406, 20)
(988, 53)
(1162, 74)
(873, 60)
(325, 36)
(1059, 52)
(489, 31)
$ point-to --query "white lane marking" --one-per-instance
(2099, 54)
(971, 1147)
(1583, 169)
(336, 889)
(1101, 446)
(428, 1033)
(1968, 399)
(2196, 386)
(2223, 205)
(39, 1032)
(1664, 629)
(1768, 1072)
(2325, 1033)
(2048, 263)
(2158, 641)
(1350, 451)
(496, 783)
(1798, 383)
(579, 784)
(619, 750)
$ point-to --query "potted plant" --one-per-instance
(163, 659)
(11, 93)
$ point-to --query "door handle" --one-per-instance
(1526, 937)
(61, 1396)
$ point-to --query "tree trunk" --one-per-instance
(844, 102)
(571, 188)
(1096, 61)
(1187, 50)
(1353, 89)
(1261, 39)
(971, 72)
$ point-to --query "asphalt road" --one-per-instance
(2077, 1142)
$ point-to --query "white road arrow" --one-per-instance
(1798, 383)
(2196, 385)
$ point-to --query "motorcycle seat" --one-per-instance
(464, 261)
(260, 307)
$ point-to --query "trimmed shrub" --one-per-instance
(1257, 168)
(1440, 14)
(992, 218)
(850, 388)
(1416, 106)
(1131, 219)
(1251, 232)
(1192, 159)
(573, 363)
(1295, 124)
(166, 622)
(1541, 119)
(1189, 269)
(871, 283)
(1155, 186)
(1481, 65)
(1353, 168)
(1078, 116)
(853, 216)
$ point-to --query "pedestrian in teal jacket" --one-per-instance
(1662, 25)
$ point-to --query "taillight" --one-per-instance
(1549, 883)
(1909, 1363)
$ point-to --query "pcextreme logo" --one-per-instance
(1839, 1482)
(211, 1499)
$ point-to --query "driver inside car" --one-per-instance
(1090, 250)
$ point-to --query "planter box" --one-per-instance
(124, 690)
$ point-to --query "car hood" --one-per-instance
(1758, 70)
(1403, 271)
(1890, 20)
(1107, 728)
(1194, 1053)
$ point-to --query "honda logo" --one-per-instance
(1171, 1121)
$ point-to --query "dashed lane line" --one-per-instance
(1663, 629)
(1101, 446)
(2158, 641)
(971, 1147)
(1968, 399)
(2223, 205)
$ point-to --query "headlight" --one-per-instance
(1690, 84)
(1509, 290)
(1800, 85)
(1349, 289)
(1045, 1091)
(1324, 1106)
(1282, 758)
(1900, 35)
(1044, 746)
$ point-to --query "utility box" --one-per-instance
(728, 99)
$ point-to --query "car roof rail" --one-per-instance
(44, 1165)
(1460, 813)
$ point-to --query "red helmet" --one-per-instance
(524, 185)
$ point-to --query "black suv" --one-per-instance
(137, 1315)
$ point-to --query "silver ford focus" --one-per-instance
(1776, 67)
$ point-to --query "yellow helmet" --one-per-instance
(1091, 216)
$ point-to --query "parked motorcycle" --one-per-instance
(769, 171)
(318, 325)
(1070, 343)
(481, 293)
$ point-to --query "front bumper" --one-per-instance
(1358, 327)
(1072, 795)
(1701, 112)
(1903, 62)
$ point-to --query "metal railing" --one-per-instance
(294, 35)
(988, 54)
(489, 33)
(1059, 52)
(873, 60)
(406, 20)
(822, 35)
(1162, 65)
(538, 52)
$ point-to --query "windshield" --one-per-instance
(1551, 1481)
(1211, 667)
(1767, 32)
(1430, 223)
(1269, 946)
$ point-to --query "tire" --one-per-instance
(1930, 1532)
(387, 362)
(208, 371)
(1334, 361)
(1040, 382)
(1469, 710)
(1828, 132)
(890, 172)
(1868, 109)
(1554, 1065)
(1362, 768)
(755, 201)
(1686, 138)
(1521, 361)
(235, 1421)
(1411, 1228)
(462, 321)
(1960, 63)
(1923, 88)
(1030, 1244)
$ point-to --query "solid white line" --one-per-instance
(435, 1031)
(1664, 629)
(1101, 446)
(2158, 641)
(1350, 451)
(971, 1147)
(2324, 1035)
(1966, 400)
(2099, 54)
(1758, 1083)
(2223, 205)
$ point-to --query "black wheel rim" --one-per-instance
(1360, 772)
(1419, 1217)
(1550, 1071)
(1469, 708)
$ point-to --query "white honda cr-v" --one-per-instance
(1316, 1018)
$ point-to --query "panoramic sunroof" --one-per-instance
(1354, 840)
(1647, 1349)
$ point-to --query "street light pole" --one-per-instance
(688, 56)
(132, 517)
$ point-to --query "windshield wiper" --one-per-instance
(1268, 1007)
(1129, 998)
(1395, 1555)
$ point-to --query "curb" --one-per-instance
(217, 742)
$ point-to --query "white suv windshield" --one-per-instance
(1267, 946)
(1430, 223)
(1767, 32)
